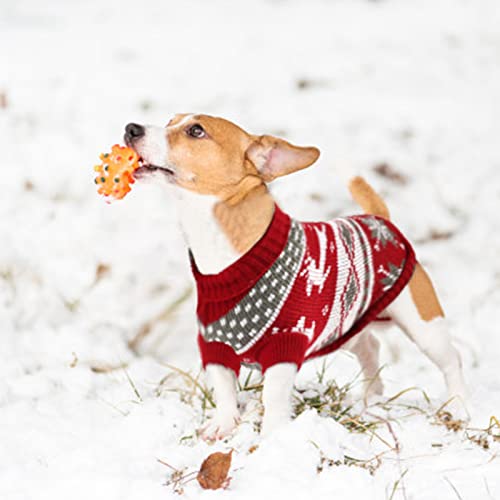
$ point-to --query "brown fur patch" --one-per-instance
(424, 295)
(245, 222)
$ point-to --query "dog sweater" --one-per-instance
(301, 291)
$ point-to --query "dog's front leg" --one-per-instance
(226, 416)
(277, 395)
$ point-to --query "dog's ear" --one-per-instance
(274, 157)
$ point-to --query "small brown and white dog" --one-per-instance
(220, 173)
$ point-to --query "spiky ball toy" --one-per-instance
(114, 174)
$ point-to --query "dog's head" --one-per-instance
(213, 156)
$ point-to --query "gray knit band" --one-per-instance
(249, 319)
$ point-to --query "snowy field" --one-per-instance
(404, 92)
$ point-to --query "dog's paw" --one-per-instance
(457, 408)
(219, 427)
(458, 399)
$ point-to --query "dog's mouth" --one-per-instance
(146, 168)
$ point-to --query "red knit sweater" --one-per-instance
(301, 291)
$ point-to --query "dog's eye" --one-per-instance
(196, 131)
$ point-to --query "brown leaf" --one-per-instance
(74, 362)
(452, 424)
(385, 170)
(3, 100)
(253, 448)
(101, 271)
(436, 235)
(213, 471)
(440, 235)
(308, 83)
(303, 83)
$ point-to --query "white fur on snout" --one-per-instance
(153, 146)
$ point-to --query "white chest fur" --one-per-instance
(210, 246)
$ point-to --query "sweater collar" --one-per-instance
(246, 271)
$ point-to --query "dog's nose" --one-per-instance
(134, 131)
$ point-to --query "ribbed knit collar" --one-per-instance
(242, 274)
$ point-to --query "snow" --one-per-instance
(410, 84)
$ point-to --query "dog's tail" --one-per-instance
(367, 198)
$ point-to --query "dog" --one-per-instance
(273, 291)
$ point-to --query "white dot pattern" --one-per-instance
(246, 322)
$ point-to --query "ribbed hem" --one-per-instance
(282, 348)
(249, 268)
(218, 353)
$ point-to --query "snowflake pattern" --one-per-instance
(380, 232)
(391, 275)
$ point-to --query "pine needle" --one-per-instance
(396, 484)
(134, 388)
(453, 488)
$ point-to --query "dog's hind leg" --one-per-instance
(418, 313)
(365, 346)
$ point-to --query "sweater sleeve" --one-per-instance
(282, 348)
(218, 353)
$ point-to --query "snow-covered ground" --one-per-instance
(413, 85)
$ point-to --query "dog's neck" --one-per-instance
(217, 232)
